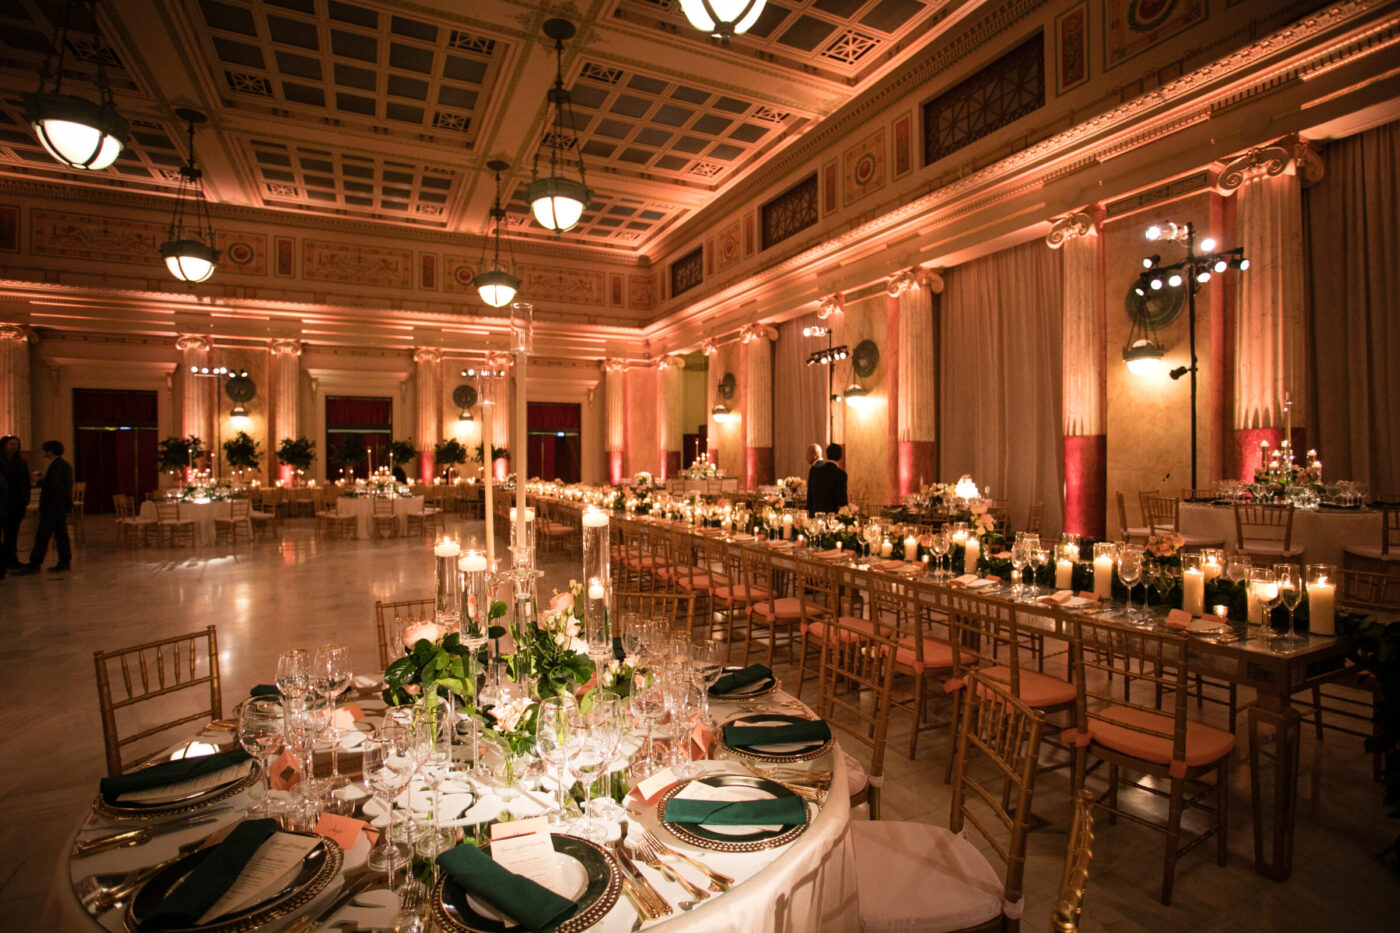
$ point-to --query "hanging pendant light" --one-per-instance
(722, 18)
(556, 201)
(496, 287)
(190, 255)
(79, 133)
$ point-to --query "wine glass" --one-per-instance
(294, 672)
(388, 768)
(1264, 590)
(707, 658)
(1237, 568)
(587, 760)
(432, 727)
(939, 547)
(1290, 588)
(307, 717)
(870, 534)
(555, 739)
(686, 702)
(647, 704)
(631, 633)
(1040, 559)
(262, 727)
(1129, 569)
(608, 721)
(330, 675)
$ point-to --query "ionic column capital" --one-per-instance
(18, 333)
(284, 347)
(427, 355)
(198, 343)
(1070, 226)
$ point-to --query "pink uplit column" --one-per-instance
(1270, 329)
(615, 421)
(196, 417)
(285, 370)
(429, 392)
(15, 403)
(757, 347)
(1083, 356)
(670, 431)
(916, 405)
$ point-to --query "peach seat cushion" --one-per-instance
(784, 607)
(1204, 744)
(1037, 690)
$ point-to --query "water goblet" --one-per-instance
(262, 729)
(1264, 590)
(647, 704)
(1129, 568)
(1040, 559)
(608, 721)
(294, 672)
(1237, 568)
(556, 741)
(940, 547)
(1018, 564)
(1290, 587)
(389, 765)
(587, 760)
(330, 675)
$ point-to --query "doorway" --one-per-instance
(115, 440)
(553, 430)
(353, 421)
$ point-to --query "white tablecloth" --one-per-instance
(362, 507)
(807, 886)
(201, 513)
(1323, 532)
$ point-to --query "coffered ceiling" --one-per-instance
(388, 110)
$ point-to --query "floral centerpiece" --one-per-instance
(1165, 545)
(642, 481)
(701, 469)
(792, 486)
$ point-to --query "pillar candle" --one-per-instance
(1322, 608)
(1064, 575)
(1103, 576)
(1193, 591)
(911, 548)
(787, 527)
(886, 549)
(971, 552)
(1211, 568)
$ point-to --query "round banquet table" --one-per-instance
(1323, 532)
(201, 513)
(362, 508)
(807, 885)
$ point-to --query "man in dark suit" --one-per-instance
(826, 489)
(55, 502)
(814, 460)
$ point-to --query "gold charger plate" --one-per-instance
(807, 752)
(198, 802)
(698, 835)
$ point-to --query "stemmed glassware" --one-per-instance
(940, 546)
(262, 728)
(556, 741)
(647, 704)
(330, 675)
(685, 700)
(1040, 559)
(1290, 588)
(1020, 556)
(294, 672)
(707, 658)
(870, 533)
(608, 722)
(1237, 568)
(433, 742)
(1129, 569)
(1264, 590)
(307, 717)
(587, 760)
(389, 764)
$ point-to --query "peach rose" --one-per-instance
(419, 630)
(561, 602)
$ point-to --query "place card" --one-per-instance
(272, 867)
(188, 788)
(701, 738)
(344, 831)
(1058, 598)
(346, 717)
(285, 771)
(1087, 596)
(525, 848)
(647, 791)
(1179, 619)
(964, 580)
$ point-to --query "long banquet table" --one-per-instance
(1322, 532)
(1274, 675)
(806, 885)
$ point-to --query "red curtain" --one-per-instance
(353, 412)
(544, 416)
(554, 457)
(114, 408)
(114, 460)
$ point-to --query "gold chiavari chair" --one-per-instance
(1265, 533)
(149, 674)
(238, 524)
(1387, 555)
(858, 665)
(712, 558)
(131, 527)
(1146, 731)
(172, 528)
(382, 511)
(648, 604)
(1163, 516)
(1069, 900)
(914, 876)
(75, 514)
(1135, 534)
(780, 611)
(745, 584)
(388, 617)
(684, 575)
(819, 595)
(1035, 517)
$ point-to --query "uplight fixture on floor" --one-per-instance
(78, 132)
(496, 286)
(557, 201)
(722, 18)
(189, 253)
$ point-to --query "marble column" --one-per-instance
(615, 417)
(1084, 358)
(16, 410)
(197, 414)
(1270, 329)
(284, 375)
(757, 347)
(915, 371)
(670, 430)
(428, 379)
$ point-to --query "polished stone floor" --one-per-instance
(300, 591)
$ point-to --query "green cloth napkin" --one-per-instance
(737, 680)
(532, 905)
(814, 730)
(169, 772)
(784, 811)
(265, 690)
(211, 878)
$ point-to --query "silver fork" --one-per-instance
(718, 880)
(649, 855)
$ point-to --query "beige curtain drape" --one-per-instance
(1353, 221)
(799, 398)
(1000, 340)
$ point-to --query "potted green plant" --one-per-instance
(401, 452)
(297, 453)
(498, 454)
(448, 454)
(242, 452)
(178, 453)
(351, 453)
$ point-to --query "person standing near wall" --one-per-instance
(55, 502)
(15, 472)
